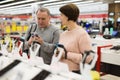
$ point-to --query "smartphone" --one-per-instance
(34, 34)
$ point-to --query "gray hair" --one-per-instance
(42, 9)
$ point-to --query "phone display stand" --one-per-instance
(85, 68)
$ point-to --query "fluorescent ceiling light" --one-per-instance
(62, 2)
(45, 2)
(22, 8)
(117, 1)
(88, 4)
(19, 10)
(16, 7)
(84, 2)
(77, 3)
(16, 3)
(41, 2)
(5, 1)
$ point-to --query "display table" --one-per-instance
(110, 56)
(29, 68)
(15, 67)
(102, 47)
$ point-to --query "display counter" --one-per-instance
(105, 53)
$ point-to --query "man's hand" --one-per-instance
(38, 39)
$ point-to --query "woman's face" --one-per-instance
(63, 19)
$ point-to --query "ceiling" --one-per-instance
(13, 7)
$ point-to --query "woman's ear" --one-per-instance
(49, 17)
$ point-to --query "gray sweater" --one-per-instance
(50, 35)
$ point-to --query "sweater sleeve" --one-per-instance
(49, 47)
(76, 58)
(85, 43)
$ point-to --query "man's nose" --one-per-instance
(40, 21)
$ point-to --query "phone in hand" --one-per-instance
(34, 34)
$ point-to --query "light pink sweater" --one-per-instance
(76, 42)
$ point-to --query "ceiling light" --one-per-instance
(117, 1)
(84, 2)
(16, 3)
(77, 3)
(62, 2)
(41, 2)
(5, 1)
(88, 4)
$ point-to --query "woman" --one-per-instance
(76, 40)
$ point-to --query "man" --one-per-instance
(48, 35)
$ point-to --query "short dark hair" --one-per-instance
(71, 11)
(42, 9)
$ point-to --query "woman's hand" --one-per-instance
(58, 52)
(89, 58)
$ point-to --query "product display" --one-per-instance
(30, 50)
(10, 66)
(42, 75)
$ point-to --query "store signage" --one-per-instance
(93, 16)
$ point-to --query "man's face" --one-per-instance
(43, 19)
